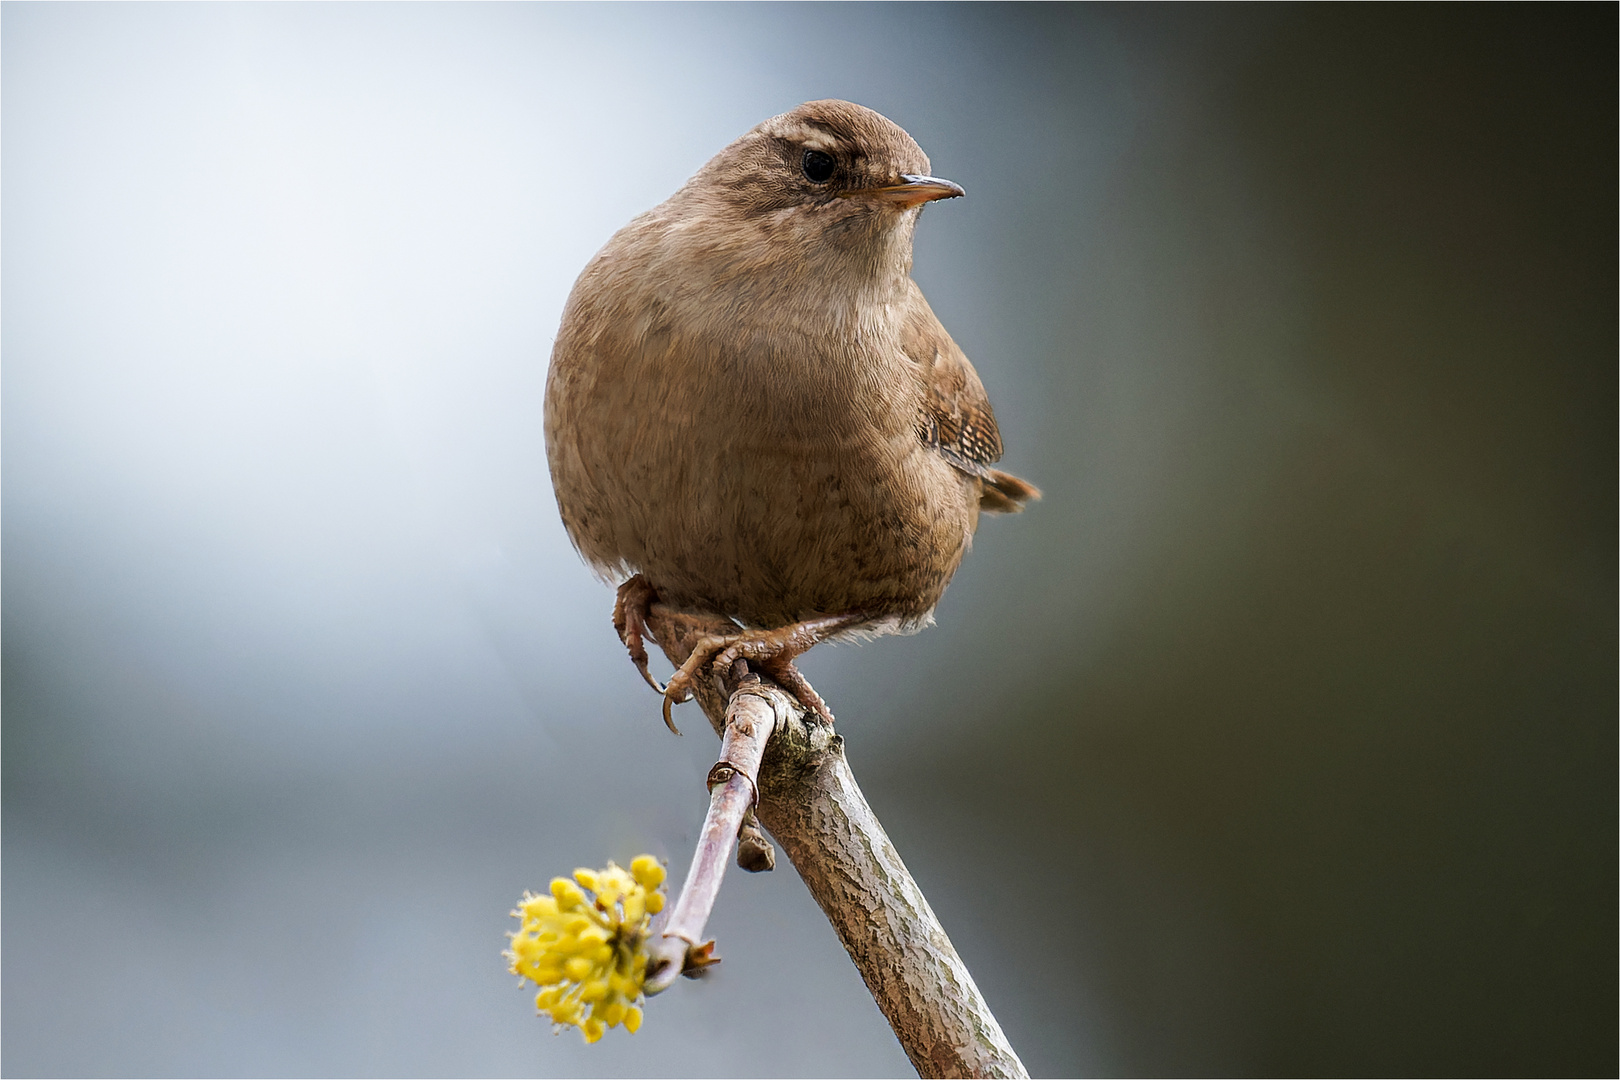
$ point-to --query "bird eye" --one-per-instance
(818, 167)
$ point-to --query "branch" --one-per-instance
(809, 801)
(750, 719)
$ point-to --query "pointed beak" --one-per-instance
(911, 191)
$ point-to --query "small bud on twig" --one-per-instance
(733, 792)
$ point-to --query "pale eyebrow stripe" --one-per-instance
(812, 138)
(816, 140)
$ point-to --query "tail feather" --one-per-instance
(1003, 493)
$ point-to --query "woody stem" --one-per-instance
(750, 720)
(810, 802)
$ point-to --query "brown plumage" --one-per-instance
(753, 412)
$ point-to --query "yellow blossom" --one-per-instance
(585, 945)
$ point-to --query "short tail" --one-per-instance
(1003, 493)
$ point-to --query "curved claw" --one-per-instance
(630, 620)
(669, 721)
(679, 687)
(773, 650)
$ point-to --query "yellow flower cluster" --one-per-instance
(585, 945)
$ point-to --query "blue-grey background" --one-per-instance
(1280, 738)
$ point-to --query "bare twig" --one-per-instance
(809, 801)
(749, 721)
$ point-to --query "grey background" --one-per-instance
(1280, 738)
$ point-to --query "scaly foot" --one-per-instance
(630, 620)
(772, 650)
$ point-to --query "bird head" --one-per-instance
(830, 181)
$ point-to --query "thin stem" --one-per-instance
(750, 721)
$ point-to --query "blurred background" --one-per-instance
(1279, 739)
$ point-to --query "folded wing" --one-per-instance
(956, 420)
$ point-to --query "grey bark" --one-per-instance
(810, 803)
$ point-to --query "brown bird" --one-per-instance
(753, 412)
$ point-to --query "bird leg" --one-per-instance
(772, 650)
(630, 620)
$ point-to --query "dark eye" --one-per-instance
(818, 166)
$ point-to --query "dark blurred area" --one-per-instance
(1279, 739)
(1359, 701)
